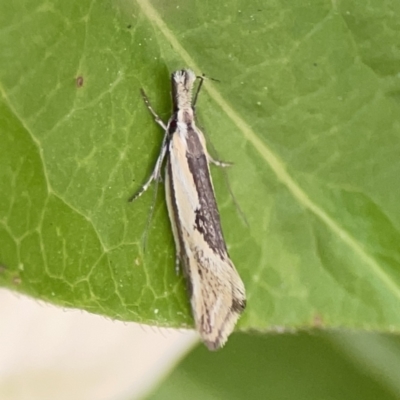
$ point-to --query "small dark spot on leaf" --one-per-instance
(129, 26)
(315, 64)
(79, 81)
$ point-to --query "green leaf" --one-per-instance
(332, 366)
(307, 109)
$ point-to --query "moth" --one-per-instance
(216, 291)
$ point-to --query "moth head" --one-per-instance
(184, 77)
(182, 85)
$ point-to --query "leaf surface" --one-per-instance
(307, 109)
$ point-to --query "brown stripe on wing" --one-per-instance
(207, 220)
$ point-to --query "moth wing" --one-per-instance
(217, 296)
(217, 293)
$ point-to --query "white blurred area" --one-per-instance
(49, 353)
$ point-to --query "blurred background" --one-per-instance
(52, 353)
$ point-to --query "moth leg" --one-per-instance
(153, 113)
(221, 164)
(224, 165)
(156, 174)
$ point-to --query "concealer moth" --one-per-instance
(216, 291)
